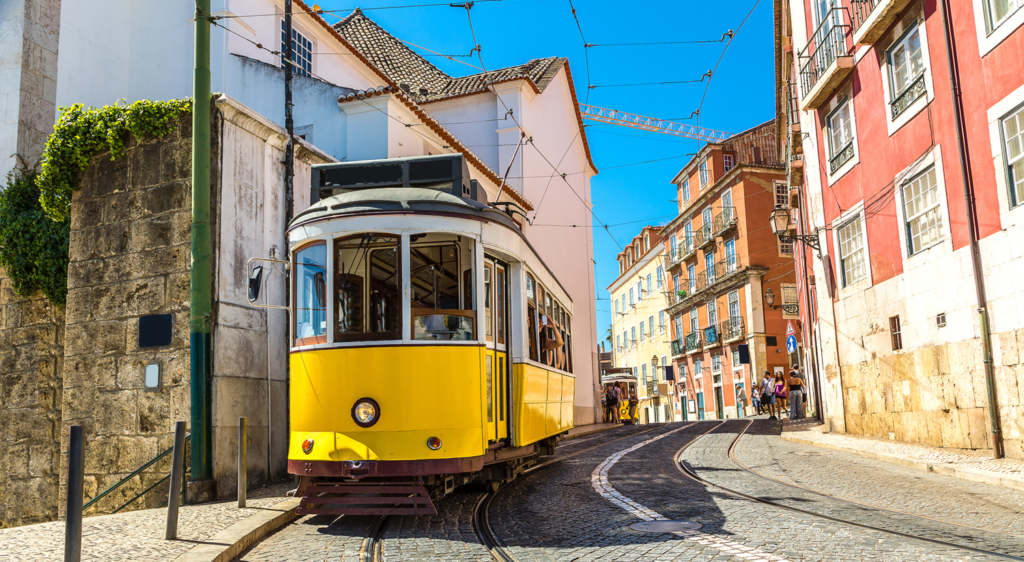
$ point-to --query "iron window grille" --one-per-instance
(840, 136)
(894, 333)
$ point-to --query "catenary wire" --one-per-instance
(320, 12)
(586, 55)
(725, 49)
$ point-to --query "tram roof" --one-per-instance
(399, 199)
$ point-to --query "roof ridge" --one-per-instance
(345, 20)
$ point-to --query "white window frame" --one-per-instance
(945, 246)
(686, 190)
(661, 321)
(650, 326)
(649, 288)
(728, 162)
(990, 39)
(716, 363)
(632, 302)
(643, 335)
(305, 34)
(660, 274)
(900, 33)
(855, 213)
(734, 358)
(836, 104)
(996, 114)
(781, 190)
(1016, 184)
(702, 171)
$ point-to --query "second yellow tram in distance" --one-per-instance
(431, 346)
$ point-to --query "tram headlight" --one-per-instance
(307, 446)
(366, 412)
(434, 443)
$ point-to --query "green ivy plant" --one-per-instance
(33, 248)
(81, 133)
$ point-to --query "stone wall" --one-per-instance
(130, 253)
(31, 356)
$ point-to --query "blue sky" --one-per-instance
(514, 31)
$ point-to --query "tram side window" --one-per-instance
(311, 294)
(368, 311)
(531, 316)
(441, 308)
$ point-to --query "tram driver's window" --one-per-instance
(441, 308)
(531, 315)
(367, 311)
(311, 294)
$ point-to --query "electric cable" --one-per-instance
(320, 12)
(586, 56)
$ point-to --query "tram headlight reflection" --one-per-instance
(366, 412)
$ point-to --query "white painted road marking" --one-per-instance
(599, 480)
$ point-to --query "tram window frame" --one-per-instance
(316, 338)
(488, 302)
(499, 302)
(464, 270)
(531, 316)
(363, 273)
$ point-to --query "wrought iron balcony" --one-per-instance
(703, 236)
(827, 60)
(683, 292)
(712, 338)
(705, 279)
(678, 347)
(844, 155)
(726, 267)
(909, 95)
(725, 220)
(871, 18)
(652, 389)
(694, 342)
(686, 247)
(733, 329)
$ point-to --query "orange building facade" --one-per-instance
(721, 262)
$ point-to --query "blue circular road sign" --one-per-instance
(791, 343)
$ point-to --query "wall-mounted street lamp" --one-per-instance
(769, 297)
(782, 226)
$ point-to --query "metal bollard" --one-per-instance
(242, 459)
(76, 493)
(174, 494)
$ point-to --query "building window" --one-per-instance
(679, 327)
(785, 248)
(923, 212)
(894, 333)
(643, 333)
(302, 52)
(999, 10)
(686, 189)
(736, 365)
(1013, 132)
(716, 363)
(625, 338)
(906, 71)
(702, 169)
(709, 267)
(660, 274)
(618, 342)
(650, 326)
(648, 283)
(790, 296)
(640, 290)
(647, 242)
(616, 306)
(712, 314)
(661, 321)
(643, 371)
(691, 272)
(631, 301)
(693, 320)
(730, 161)
(781, 195)
(840, 134)
(632, 332)
(852, 258)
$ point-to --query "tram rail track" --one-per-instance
(692, 474)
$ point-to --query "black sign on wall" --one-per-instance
(744, 350)
(155, 330)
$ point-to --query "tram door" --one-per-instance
(496, 363)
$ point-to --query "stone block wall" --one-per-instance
(130, 254)
(31, 358)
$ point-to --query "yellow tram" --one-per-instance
(431, 346)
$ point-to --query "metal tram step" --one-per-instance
(359, 498)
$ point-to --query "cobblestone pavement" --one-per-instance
(314, 537)
(886, 485)
(135, 535)
(709, 458)
(963, 458)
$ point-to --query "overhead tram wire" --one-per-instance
(321, 12)
(658, 43)
(707, 75)
(586, 56)
(732, 35)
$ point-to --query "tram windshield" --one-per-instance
(366, 282)
(441, 268)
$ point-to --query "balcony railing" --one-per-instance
(872, 18)
(682, 293)
(678, 347)
(725, 220)
(733, 329)
(726, 267)
(703, 236)
(712, 337)
(686, 247)
(859, 12)
(652, 388)
(915, 90)
(693, 342)
(826, 45)
(705, 279)
(844, 155)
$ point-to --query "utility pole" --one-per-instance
(289, 125)
(201, 280)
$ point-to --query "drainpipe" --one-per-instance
(201, 276)
(971, 210)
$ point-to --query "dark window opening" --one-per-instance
(367, 285)
(771, 341)
(894, 333)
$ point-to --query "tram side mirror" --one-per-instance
(254, 283)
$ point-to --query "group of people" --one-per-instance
(778, 392)
(612, 399)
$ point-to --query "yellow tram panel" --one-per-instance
(423, 391)
(540, 402)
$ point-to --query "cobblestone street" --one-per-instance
(581, 504)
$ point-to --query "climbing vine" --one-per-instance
(81, 133)
(33, 248)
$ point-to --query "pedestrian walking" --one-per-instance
(781, 394)
(796, 394)
(741, 400)
(755, 397)
(633, 401)
(604, 406)
(768, 394)
(611, 403)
